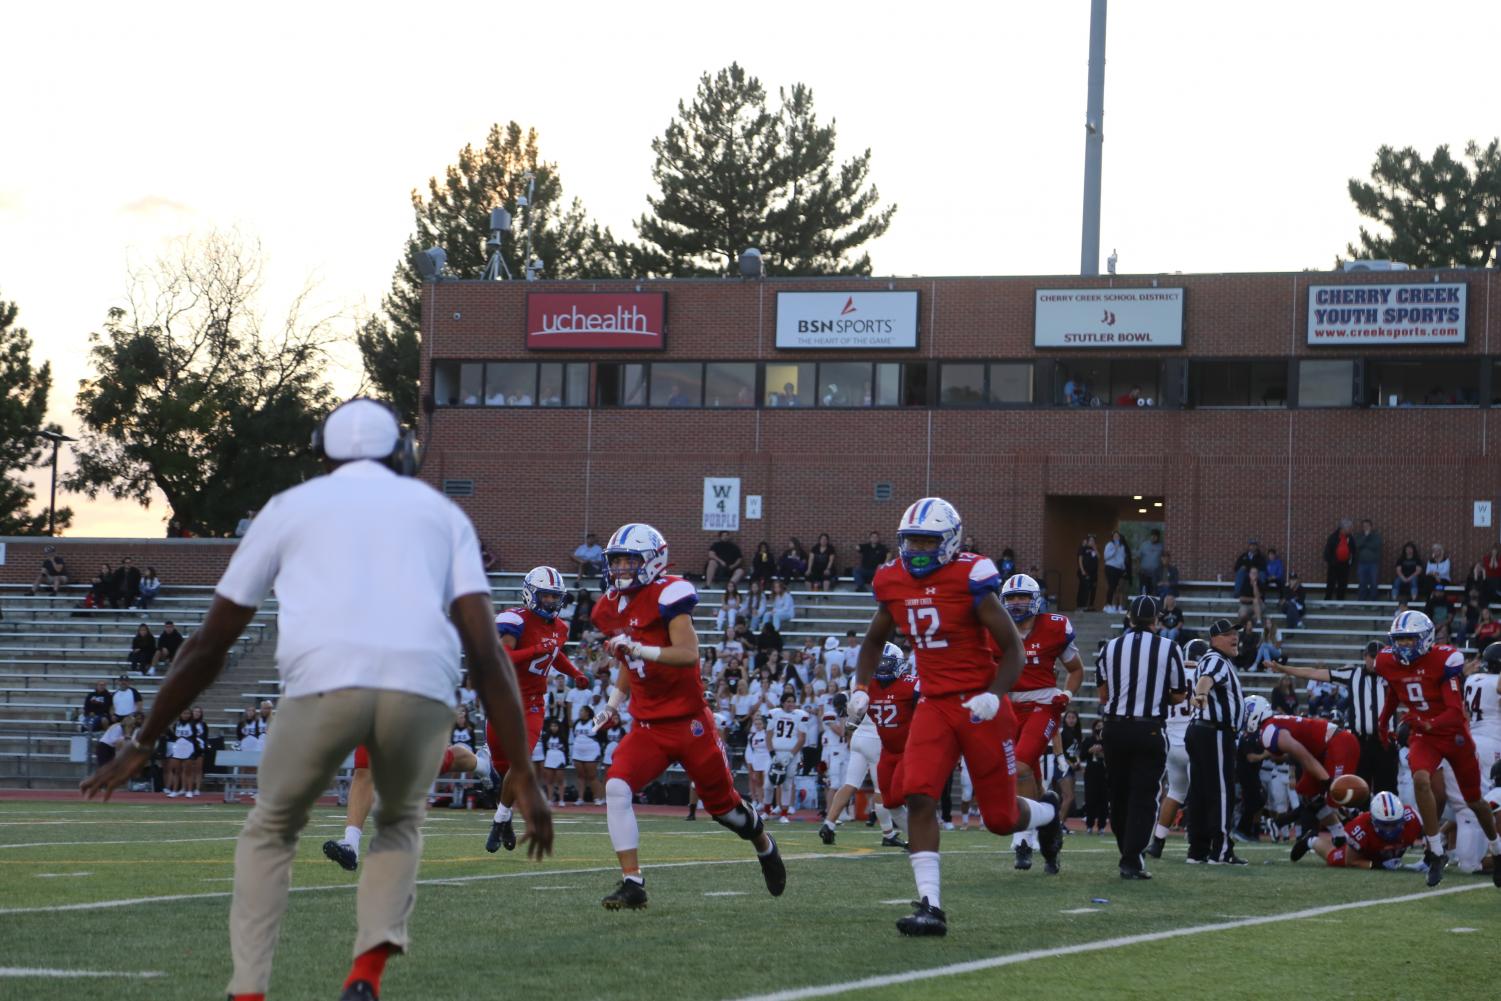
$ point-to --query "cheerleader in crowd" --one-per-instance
(180, 748)
(585, 751)
(554, 760)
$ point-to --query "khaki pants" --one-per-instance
(405, 735)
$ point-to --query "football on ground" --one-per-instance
(1350, 791)
(125, 901)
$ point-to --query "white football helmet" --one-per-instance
(934, 518)
(648, 550)
(1258, 710)
(1017, 586)
(1414, 626)
(540, 584)
(893, 664)
(1387, 813)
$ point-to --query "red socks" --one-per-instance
(368, 966)
(447, 761)
(247, 997)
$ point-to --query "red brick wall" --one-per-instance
(177, 561)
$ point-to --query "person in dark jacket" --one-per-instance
(1339, 557)
(128, 587)
(142, 648)
(96, 708)
(763, 565)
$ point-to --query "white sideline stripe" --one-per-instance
(977, 965)
(134, 841)
(101, 905)
(1081, 910)
(42, 971)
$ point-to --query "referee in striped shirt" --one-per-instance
(1378, 763)
(1140, 675)
(1210, 741)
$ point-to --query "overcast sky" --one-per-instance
(1230, 131)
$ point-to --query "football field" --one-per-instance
(125, 901)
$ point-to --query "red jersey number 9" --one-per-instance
(1415, 696)
(923, 637)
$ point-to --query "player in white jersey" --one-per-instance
(788, 727)
(1177, 755)
(1482, 695)
(836, 749)
(864, 755)
(757, 761)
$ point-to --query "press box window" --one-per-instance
(845, 384)
(510, 384)
(677, 384)
(563, 384)
(1326, 383)
(730, 384)
(1238, 383)
(1427, 383)
(621, 385)
(1011, 384)
(790, 385)
(961, 385)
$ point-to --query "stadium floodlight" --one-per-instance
(750, 263)
(56, 438)
(430, 263)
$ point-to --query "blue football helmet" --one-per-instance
(1017, 586)
(1257, 711)
(931, 518)
(1388, 815)
(647, 551)
(543, 591)
(893, 664)
(1414, 626)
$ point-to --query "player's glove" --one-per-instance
(607, 717)
(1062, 699)
(619, 644)
(983, 706)
(858, 703)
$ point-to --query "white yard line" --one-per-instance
(1011, 959)
(42, 971)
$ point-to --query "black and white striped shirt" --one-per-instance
(1139, 669)
(1367, 696)
(1225, 702)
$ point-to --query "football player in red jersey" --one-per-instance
(647, 616)
(893, 698)
(1037, 700)
(1377, 837)
(1426, 679)
(459, 759)
(1322, 751)
(534, 636)
(948, 604)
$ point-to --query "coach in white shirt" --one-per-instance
(368, 567)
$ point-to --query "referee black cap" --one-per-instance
(1143, 609)
(1373, 648)
(1221, 627)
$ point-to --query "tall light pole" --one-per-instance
(57, 441)
(1094, 141)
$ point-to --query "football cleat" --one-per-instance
(692, 812)
(628, 896)
(1435, 865)
(926, 920)
(502, 834)
(1300, 847)
(773, 869)
(826, 833)
(1230, 859)
(1050, 835)
(1193, 860)
(1154, 849)
(1137, 873)
(894, 840)
(360, 990)
(1023, 856)
(341, 853)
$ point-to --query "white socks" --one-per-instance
(925, 871)
(619, 817)
(1027, 837)
(502, 813)
(883, 817)
(1159, 831)
(352, 839)
(1435, 843)
(1042, 813)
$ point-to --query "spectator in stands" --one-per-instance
(769, 642)
(1477, 582)
(1275, 578)
(555, 758)
(1408, 569)
(128, 590)
(1168, 577)
(1087, 569)
(200, 753)
(1115, 568)
(110, 740)
(782, 607)
(823, 564)
(1252, 558)
(1367, 560)
(725, 561)
(166, 646)
(1466, 618)
(1284, 697)
(1493, 574)
(246, 727)
(96, 713)
(1149, 562)
(142, 648)
(1170, 619)
(1487, 629)
(583, 606)
(1436, 571)
(1439, 607)
(101, 589)
(1294, 603)
(763, 565)
(1096, 780)
(1245, 653)
(584, 749)
(243, 525)
(588, 558)
(793, 564)
(1339, 556)
(487, 558)
(1270, 650)
(757, 607)
(125, 699)
(1006, 564)
(729, 609)
(54, 572)
(873, 553)
(151, 586)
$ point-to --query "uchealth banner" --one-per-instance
(596, 321)
(1108, 318)
(1409, 313)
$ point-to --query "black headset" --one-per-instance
(405, 459)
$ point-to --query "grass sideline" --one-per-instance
(500, 927)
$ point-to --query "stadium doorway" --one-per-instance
(1067, 519)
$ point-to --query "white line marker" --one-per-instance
(1461, 931)
(994, 962)
(554, 888)
(60, 875)
(904, 901)
(730, 893)
(135, 841)
(30, 971)
(1081, 910)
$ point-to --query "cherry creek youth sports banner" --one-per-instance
(1404, 313)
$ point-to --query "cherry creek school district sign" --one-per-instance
(1405, 313)
(1108, 318)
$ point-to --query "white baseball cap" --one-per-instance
(831, 644)
(360, 429)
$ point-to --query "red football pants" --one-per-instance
(1036, 723)
(942, 731)
(1426, 750)
(1341, 755)
(534, 719)
(889, 778)
(650, 747)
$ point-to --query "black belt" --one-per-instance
(1225, 727)
(1134, 719)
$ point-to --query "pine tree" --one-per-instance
(1439, 213)
(23, 408)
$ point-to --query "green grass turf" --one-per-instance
(538, 931)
